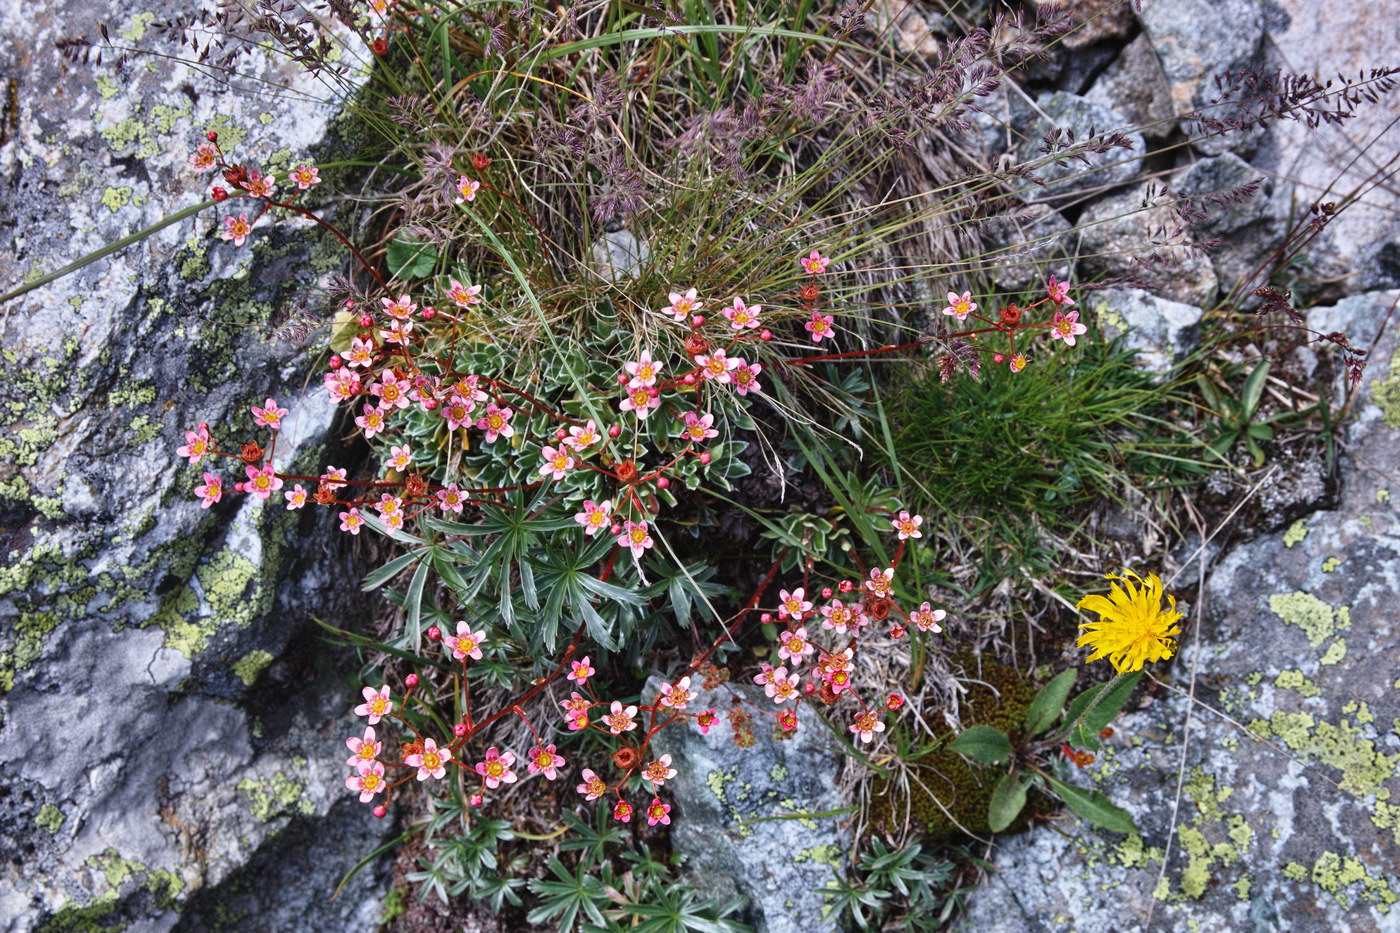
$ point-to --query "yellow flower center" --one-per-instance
(495, 769)
(495, 422)
(432, 761)
(367, 751)
(378, 705)
(544, 760)
(370, 780)
(638, 535)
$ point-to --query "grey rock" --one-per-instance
(1137, 233)
(1196, 42)
(726, 799)
(1058, 110)
(1162, 331)
(1025, 246)
(158, 654)
(1136, 87)
(1291, 767)
(619, 255)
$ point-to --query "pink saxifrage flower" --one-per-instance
(642, 401)
(363, 749)
(866, 724)
(742, 316)
(960, 306)
(794, 605)
(546, 761)
(211, 491)
(593, 786)
(259, 185)
(450, 498)
(391, 391)
(367, 780)
(794, 646)
(361, 352)
(557, 462)
(821, 326)
(676, 696)
(352, 521)
(1066, 327)
(496, 769)
(581, 671)
(261, 482)
(1018, 362)
(236, 229)
(432, 761)
(927, 618)
(658, 812)
(907, 525)
(698, 427)
(372, 421)
(659, 771)
(401, 458)
(706, 720)
(466, 643)
(377, 704)
(620, 719)
(622, 812)
(196, 445)
(744, 378)
(496, 422)
(269, 416)
(205, 157)
(296, 497)
(466, 189)
(682, 306)
(637, 536)
(595, 516)
(464, 296)
(716, 366)
(814, 263)
(1058, 292)
(305, 176)
(582, 438)
(643, 371)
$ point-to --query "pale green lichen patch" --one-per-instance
(49, 818)
(1337, 874)
(248, 667)
(826, 854)
(1331, 564)
(1386, 393)
(1296, 532)
(778, 772)
(1335, 653)
(1318, 620)
(270, 797)
(1342, 746)
(114, 199)
(1294, 680)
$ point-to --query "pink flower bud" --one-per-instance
(809, 688)
(615, 530)
(826, 592)
(381, 811)
(366, 320)
(434, 633)
(459, 729)
(429, 313)
(897, 631)
(335, 362)
(411, 681)
(212, 136)
(429, 404)
(477, 799)
(698, 320)
(614, 431)
(622, 379)
(766, 617)
(895, 702)
(997, 357)
(844, 586)
(705, 457)
(765, 334)
(560, 434)
(662, 482)
(688, 379)
(218, 194)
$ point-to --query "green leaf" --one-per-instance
(413, 602)
(1049, 702)
(408, 260)
(1253, 392)
(1096, 712)
(1094, 807)
(1008, 800)
(986, 744)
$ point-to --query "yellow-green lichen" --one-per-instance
(1335, 874)
(50, 818)
(778, 772)
(826, 854)
(1296, 532)
(1386, 393)
(1335, 652)
(270, 797)
(248, 667)
(1331, 564)
(1318, 620)
(136, 29)
(1341, 746)
(1294, 680)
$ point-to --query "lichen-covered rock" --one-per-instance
(1135, 86)
(1025, 245)
(1083, 118)
(757, 818)
(1290, 766)
(1198, 41)
(1162, 331)
(1137, 234)
(163, 704)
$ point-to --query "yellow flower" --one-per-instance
(1133, 628)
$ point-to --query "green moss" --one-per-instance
(1318, 620)
(50, 818)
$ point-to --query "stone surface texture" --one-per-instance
(1162, 331)
(743, 814)
(1137, 234)
(169, 722)
(1289, 815)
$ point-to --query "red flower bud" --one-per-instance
(662, 482)
(411, 681)
(459, 730)
(844, 586)
(366, 320)
(212, 136)
(622, 379)
(379, 46)
(381, 811)
(434, 633)
(480, 161)
(477, 799)
(826, 592)
(765, 334)
(615, 529)
(895, 701)
(218, 194)
(614, 431)
(705, 457)
(766, 617)
(429, 313)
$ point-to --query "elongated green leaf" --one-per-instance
(1008, 800)
(1094, 807)
(986, 744)
(1095, 708)
(1049, 702)
(413, 604)
(1253, 392)
(383, 575)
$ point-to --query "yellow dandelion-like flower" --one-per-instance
(1133, 628)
